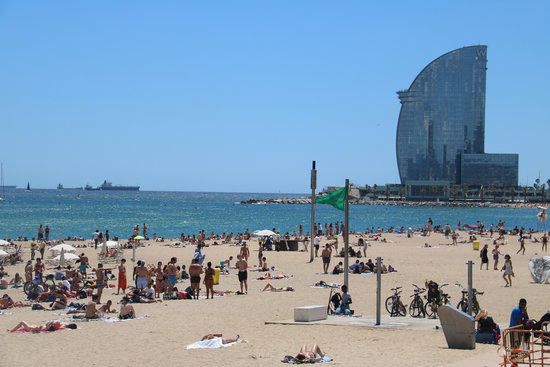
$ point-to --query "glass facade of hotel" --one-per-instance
(443, 117)
(489, 169)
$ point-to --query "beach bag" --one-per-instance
(36, 307)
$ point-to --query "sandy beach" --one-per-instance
(162, 337)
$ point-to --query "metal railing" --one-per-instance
(526, 347)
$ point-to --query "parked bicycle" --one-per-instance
(416, 308)
(463, 304)
(394, 305)
(435, 298)
(32, 288)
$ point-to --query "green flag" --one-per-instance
(337, 199)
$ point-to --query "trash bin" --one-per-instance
(216, 275)
(476, 245)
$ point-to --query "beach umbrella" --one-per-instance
(62, 257)
(63, 247)
(3, 253)
(67, 257)
(139, 238)
(264, 232)
(110, 244)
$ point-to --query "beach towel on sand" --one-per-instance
(211, 344)
(290, 359)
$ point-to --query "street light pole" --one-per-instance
(313, 187)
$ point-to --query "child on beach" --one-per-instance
(508, 270)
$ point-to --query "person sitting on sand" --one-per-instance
(338, 269)
(271, 288)
(224, 340)
(313, 355)
(126, 311)
(49, 326)
(265, 267)
(17, 281)
(60, 301)
(346, 301)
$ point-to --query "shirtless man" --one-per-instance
(242, 265)
(195, 271)
(126, 311)
(100, 280)
(172, 274)
(91, 310)
(39, 267)
(327, 252)
(141, 275)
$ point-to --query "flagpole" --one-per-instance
(346, 239)
(313, 187)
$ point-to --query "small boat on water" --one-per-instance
(60, 187)
(28, 189)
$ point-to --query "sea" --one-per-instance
(80, 213)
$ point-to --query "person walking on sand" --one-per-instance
(195, 271)
(144, 230)
(100, 280)
(95, 237)
(316, 243)
(545, 242)
(242, 265)
(521, 245)
(484, 257)
(327, 252)
(508, 270)
(496, 253)
(245, 252)
(122, 277)
(209, 280)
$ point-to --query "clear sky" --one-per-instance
(241, 96)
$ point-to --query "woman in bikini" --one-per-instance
(60, 301)
(159, 286)
(49, 326)
(271, 288)
(209, 280)
(313, 355)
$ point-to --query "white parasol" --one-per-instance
(63, 247)
(264, 232)
(3, 253)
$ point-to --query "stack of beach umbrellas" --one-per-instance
(62, 248)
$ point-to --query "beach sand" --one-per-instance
(172, 325)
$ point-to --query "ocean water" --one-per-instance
(80, 213)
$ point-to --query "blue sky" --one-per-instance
(241, 96)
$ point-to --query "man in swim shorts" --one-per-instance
(327, 252)
(242, 265)
(141, 275)
(83, 265)
(171, 274)
(195, 271)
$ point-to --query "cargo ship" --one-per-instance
(108, 186)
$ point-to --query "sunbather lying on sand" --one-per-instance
(49, 326)
(224, 341)
(271, 288)
(314, 354)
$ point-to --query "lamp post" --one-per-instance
(313, 187)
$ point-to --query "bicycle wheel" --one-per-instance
(462, 306)
(27, 287)
(431, 309)
(389, 305)
(413, 308)
(50, 283)
(475, 308)
(401, 309)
